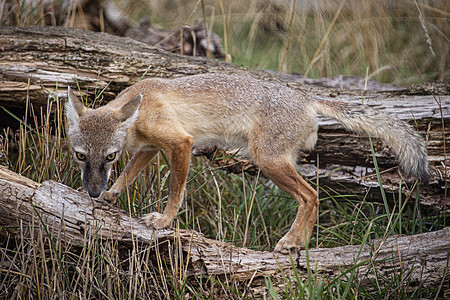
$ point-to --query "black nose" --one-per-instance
(94, 194)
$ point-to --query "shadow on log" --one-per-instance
(422, 258)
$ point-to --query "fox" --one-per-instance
(268, 121)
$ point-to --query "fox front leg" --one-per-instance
(179, 156)
(134, 167)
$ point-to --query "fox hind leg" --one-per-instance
(282, 172)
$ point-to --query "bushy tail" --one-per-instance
(408, 145)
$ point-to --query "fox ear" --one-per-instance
(129, 112)
(74, 108)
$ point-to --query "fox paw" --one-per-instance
(156, 220)
(288, 244)
(109, 196)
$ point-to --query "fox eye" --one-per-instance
(110, 157)
(80, 156)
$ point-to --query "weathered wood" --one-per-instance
(38, 61)
(423, 258)
(105, 16)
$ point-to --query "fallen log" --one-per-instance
(422, 259)
(38, 63)
(105, 16)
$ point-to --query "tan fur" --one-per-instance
(268, 121)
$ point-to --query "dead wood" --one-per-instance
(194, 40)
(422, 258)
(104, 16)
(38, 63)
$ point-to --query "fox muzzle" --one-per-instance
(95, 179)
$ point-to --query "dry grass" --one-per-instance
(393, 40)
(40, 265)
(399, 42)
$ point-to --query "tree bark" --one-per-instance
(38, 63)
(422, 258)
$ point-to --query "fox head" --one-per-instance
(97, 138)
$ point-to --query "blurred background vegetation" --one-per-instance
(399, 42)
